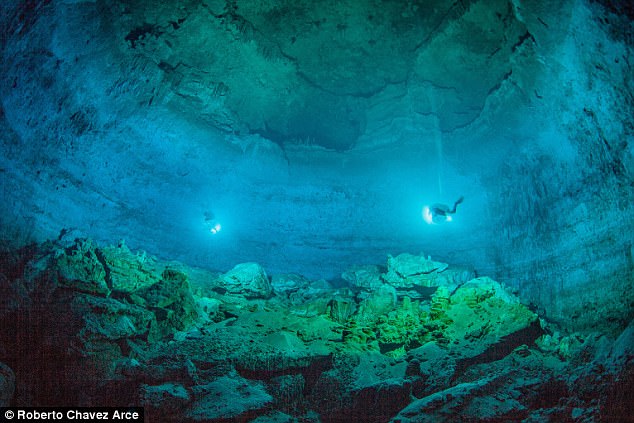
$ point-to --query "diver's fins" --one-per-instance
(455, 205)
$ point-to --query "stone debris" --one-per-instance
(192, 345)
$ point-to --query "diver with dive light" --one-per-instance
(440, 213)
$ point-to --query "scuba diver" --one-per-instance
(440, 213)
(211, 223)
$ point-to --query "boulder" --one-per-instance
(164, 402)
(376, 304)
(622, 351)
(227, 399)
(168, 397)
(379, 402)
(80, 267)
(172, 302)
(473, 399)
(431, 369)
(109, 319)
(363, 387)
(407, 270)
(371, 368)
(341, 308)
(288, 283)
(248, 280)
(482, 312)
(209, 306)
(364, 277)
(397, 330)
(130, 271)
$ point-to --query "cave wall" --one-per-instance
(118, 125)
(566, 196)
(316, 131)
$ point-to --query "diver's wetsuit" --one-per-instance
(443, 210)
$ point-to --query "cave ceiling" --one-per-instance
(335, 74)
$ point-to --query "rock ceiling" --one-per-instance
(330, 73)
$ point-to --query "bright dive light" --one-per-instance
(211, 223)
(215, 229)
(427, 217)
(439, 213)
(435, 218)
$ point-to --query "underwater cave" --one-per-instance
(317, 211)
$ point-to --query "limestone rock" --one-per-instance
(431, 369)
(165, 398)
(109, 319)
(172, 302)
(365, 277)
(37, 275)
(407, 270)
(288, 390)
(341, 308)
(81, 268)
(622, 351)
(310, 353)
(288, 283)
(461, 72)
(397, 330)
(442, 406)
(209, 306)
(379, 402)
(228, 397)
(313, 300)
(450, 277)
(84, 267)
(504, 390)
(310, 305)
(364, 386)
(372, 368)
(439, 302)
(482, 312)
(405, 265)
(247, 279)
(379, 302)
(563, 346)
(129, 271)
(359, 336)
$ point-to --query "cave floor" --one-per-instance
(413, 341)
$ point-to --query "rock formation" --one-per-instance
(192, 345)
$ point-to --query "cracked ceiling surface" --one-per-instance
(323, 73)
